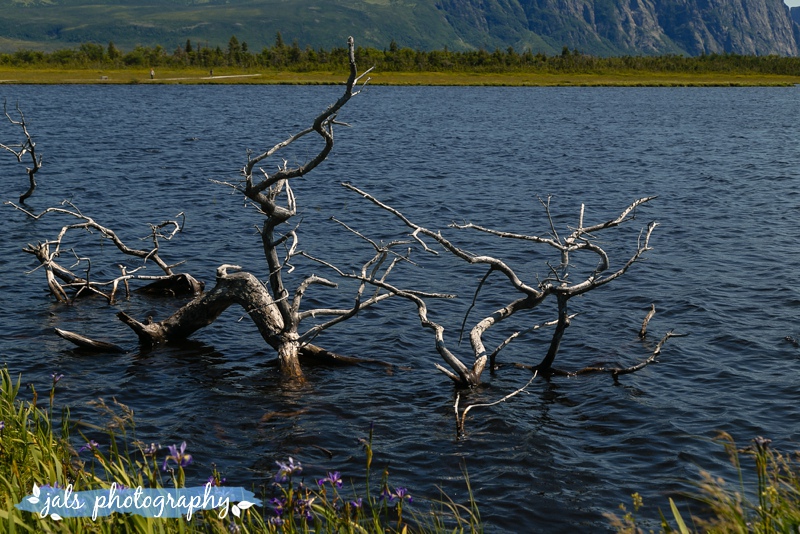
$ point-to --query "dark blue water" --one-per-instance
(723, 162)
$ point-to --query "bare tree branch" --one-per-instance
(614, 371)
(28, 146)
(88, 344)
(450, 247)
(323, 125)
(474, 300)
(650, 314)
(515, 335)
(365, 278)
(460, 420)
(47, 253)
(90, 224)
(579, 239)
(619, 371)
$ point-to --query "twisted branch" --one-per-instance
(47, 252)
(19, 150)
(579, 239)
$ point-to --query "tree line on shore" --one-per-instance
(391, 59)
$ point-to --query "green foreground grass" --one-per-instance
(228, 75)
(768, 503)
(37, 459)
(35, 455)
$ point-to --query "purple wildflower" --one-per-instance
(357, 503)
(48, 489)
(286, 470)
(56, 377)
(304, 506)
(278, 505)
(762, 444)
(333, 478)
(401, 494)
(90, 445)
(179, 456)
(151, 449)
(215, 480)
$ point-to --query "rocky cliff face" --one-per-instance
(612, 27)
(741, 26)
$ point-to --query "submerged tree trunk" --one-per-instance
(243, 289)
(288, 352)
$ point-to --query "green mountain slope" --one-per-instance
(64, 23)
(600, 27)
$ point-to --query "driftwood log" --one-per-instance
(88, 344)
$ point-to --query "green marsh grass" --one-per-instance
(32, 452)
(769, 503)
(231, 75)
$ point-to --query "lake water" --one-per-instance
(725, 164)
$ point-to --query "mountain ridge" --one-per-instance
(599, 27)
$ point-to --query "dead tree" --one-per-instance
(277, 310)
(274, 308)
(66, 284)
(557, 285)
(27, 146)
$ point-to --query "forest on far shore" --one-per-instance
(391, 59)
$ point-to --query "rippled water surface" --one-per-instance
(723, 162)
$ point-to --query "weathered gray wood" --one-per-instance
(557, 285)
(88, 344)
(239, 288)
(25, 147)
(650, 314)
(172, 286)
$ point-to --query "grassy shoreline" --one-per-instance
(195, 76)
(40, 465)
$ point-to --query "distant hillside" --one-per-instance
(600, 27)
